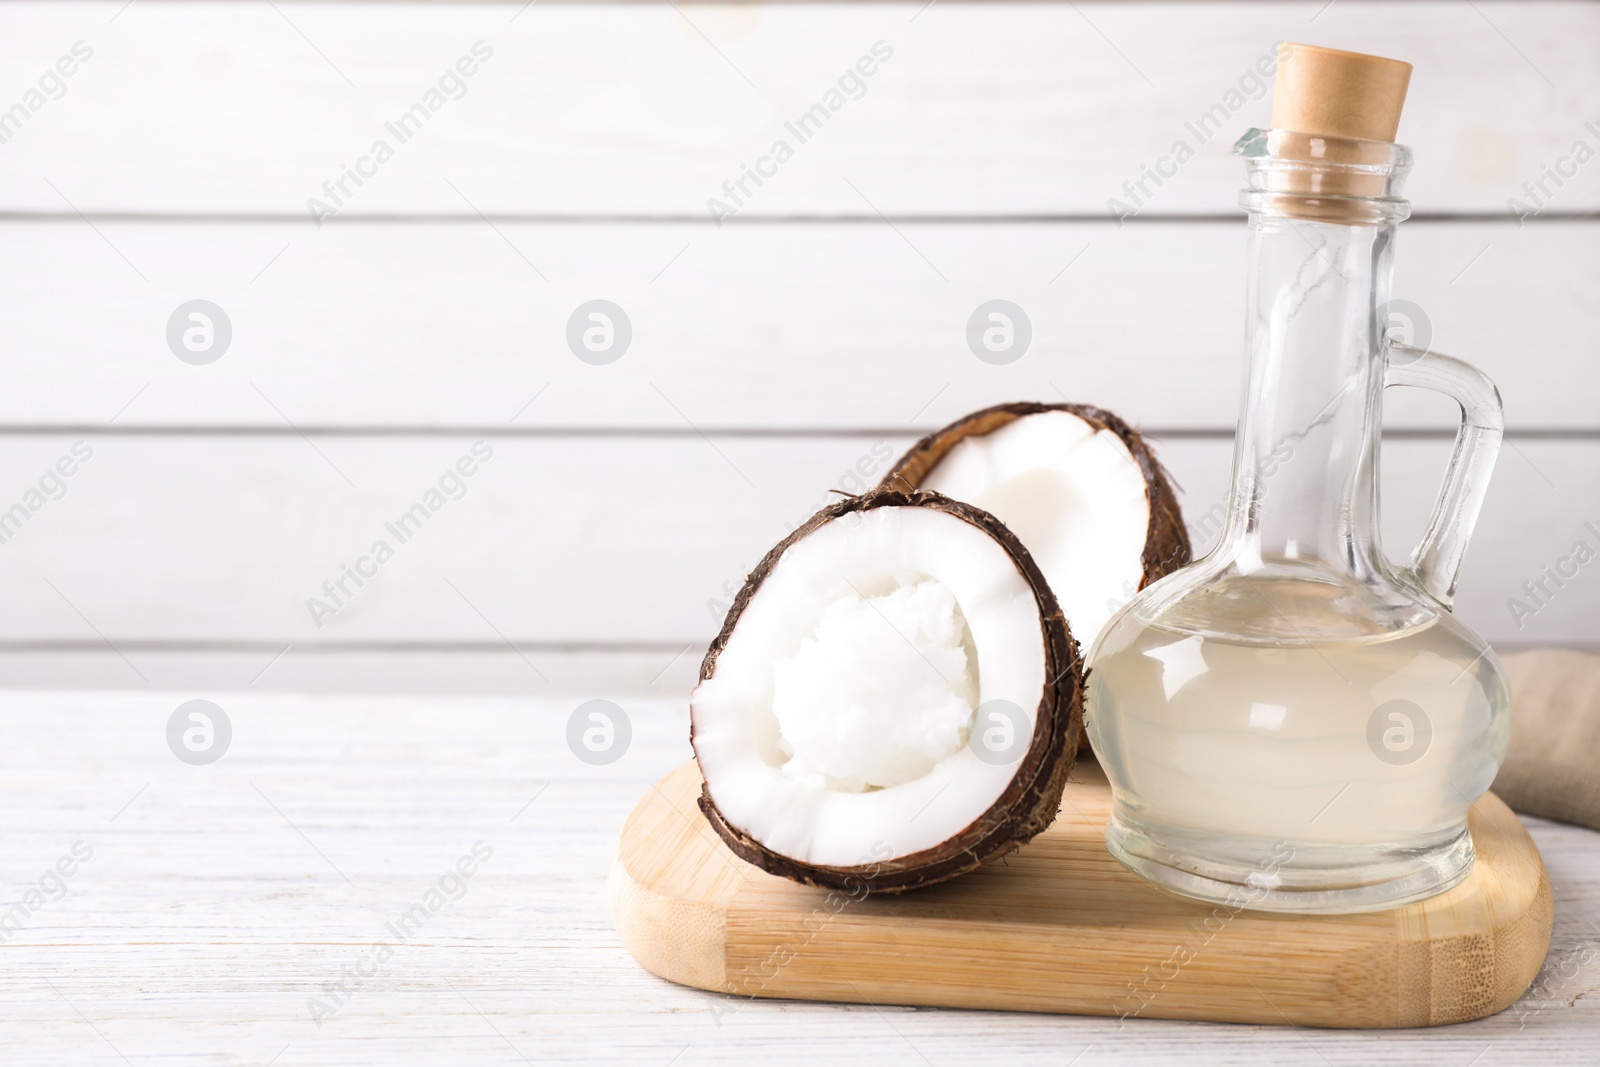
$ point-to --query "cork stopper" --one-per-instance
(1334, 117)
(1329, 93)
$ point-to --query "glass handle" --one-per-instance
(1436, 562)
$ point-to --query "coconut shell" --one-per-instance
(1029, 803)
(1166, 545)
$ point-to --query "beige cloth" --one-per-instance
(1553, 767)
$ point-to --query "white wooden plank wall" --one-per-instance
(821, 327)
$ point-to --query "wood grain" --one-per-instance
(597, 109)
(178, 162)
(576, 540)
(825, 326)
(205, 922)
(208, 919)
(1061, 926)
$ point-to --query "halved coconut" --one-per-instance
(894, 698)
(1078, 485)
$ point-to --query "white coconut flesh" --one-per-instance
(1073, 495)
(834, 729)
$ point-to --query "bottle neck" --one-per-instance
(1306, 451)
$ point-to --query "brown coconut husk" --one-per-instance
(1029, 803)
(1166, 545)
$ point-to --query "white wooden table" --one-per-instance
(218, 901)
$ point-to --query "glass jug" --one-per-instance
(1293, 722)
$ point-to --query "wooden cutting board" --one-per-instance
(1061, 927)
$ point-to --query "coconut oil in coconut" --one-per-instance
(1240, 735)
